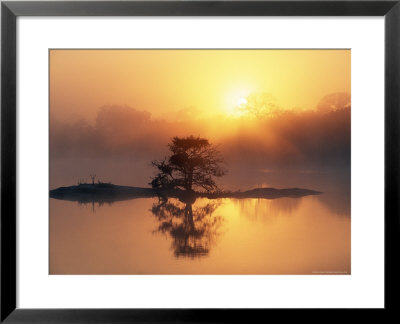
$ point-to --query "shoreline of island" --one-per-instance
(107, 192)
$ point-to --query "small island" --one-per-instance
(187, 174)
(107, 192)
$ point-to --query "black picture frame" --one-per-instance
(10, 10)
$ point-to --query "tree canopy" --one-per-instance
(261, 105)
(193, 164)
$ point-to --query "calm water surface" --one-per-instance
(309, 235)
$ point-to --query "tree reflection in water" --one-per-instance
(193, 228)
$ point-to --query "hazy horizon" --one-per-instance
(122, 142)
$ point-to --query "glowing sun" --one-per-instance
(236, 108)
(235, 102)
(241, 102)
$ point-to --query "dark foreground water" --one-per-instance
(309, 235)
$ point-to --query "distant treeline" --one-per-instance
(308, 137)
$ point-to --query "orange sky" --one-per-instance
(164, 82)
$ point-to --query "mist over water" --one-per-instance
(122, 142)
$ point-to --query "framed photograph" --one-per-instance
(198, 161)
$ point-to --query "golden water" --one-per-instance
(309, 235)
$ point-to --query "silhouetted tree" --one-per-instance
(260, 105)
(193, 163)
(334, 102)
